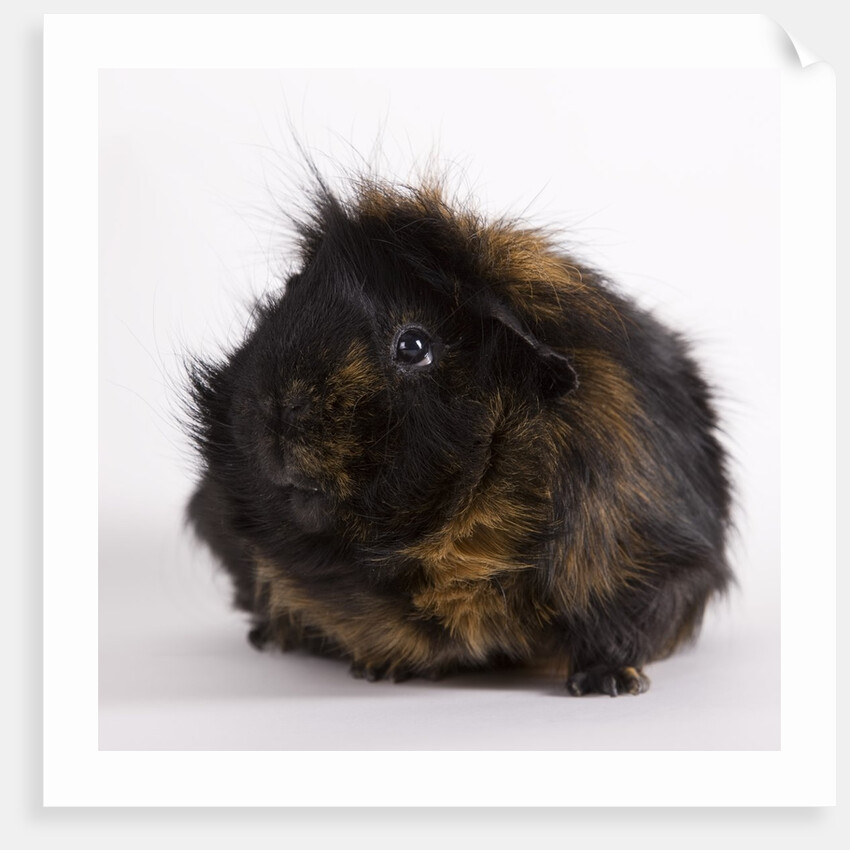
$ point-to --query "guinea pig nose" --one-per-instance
(294, 410)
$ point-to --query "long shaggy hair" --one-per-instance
(447, 445)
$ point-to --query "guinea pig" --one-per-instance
(447, 445)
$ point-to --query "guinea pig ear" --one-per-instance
(559, 377)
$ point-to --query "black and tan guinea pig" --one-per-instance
(447, 445)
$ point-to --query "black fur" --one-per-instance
(570, 428)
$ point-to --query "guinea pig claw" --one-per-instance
(636, 682)
(613, 681)
(577, 684)
(609, 685)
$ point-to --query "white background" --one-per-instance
(666, 179)
(166, 779)
(30, 825)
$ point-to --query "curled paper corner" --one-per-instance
(793, 49)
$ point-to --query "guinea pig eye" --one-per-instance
(413, 348)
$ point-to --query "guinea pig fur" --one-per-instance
(448, 445)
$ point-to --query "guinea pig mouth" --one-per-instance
(310, 509)
(287, 474)
(309, 506)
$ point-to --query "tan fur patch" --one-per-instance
(484, 615)
(604, 550)
(355, 381)
(372, 631)
(536, 277)
(471, 562)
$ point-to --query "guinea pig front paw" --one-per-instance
(613, 681)
(259, 635)
(284, 636)
(377, 672)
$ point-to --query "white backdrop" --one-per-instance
(666, 180)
